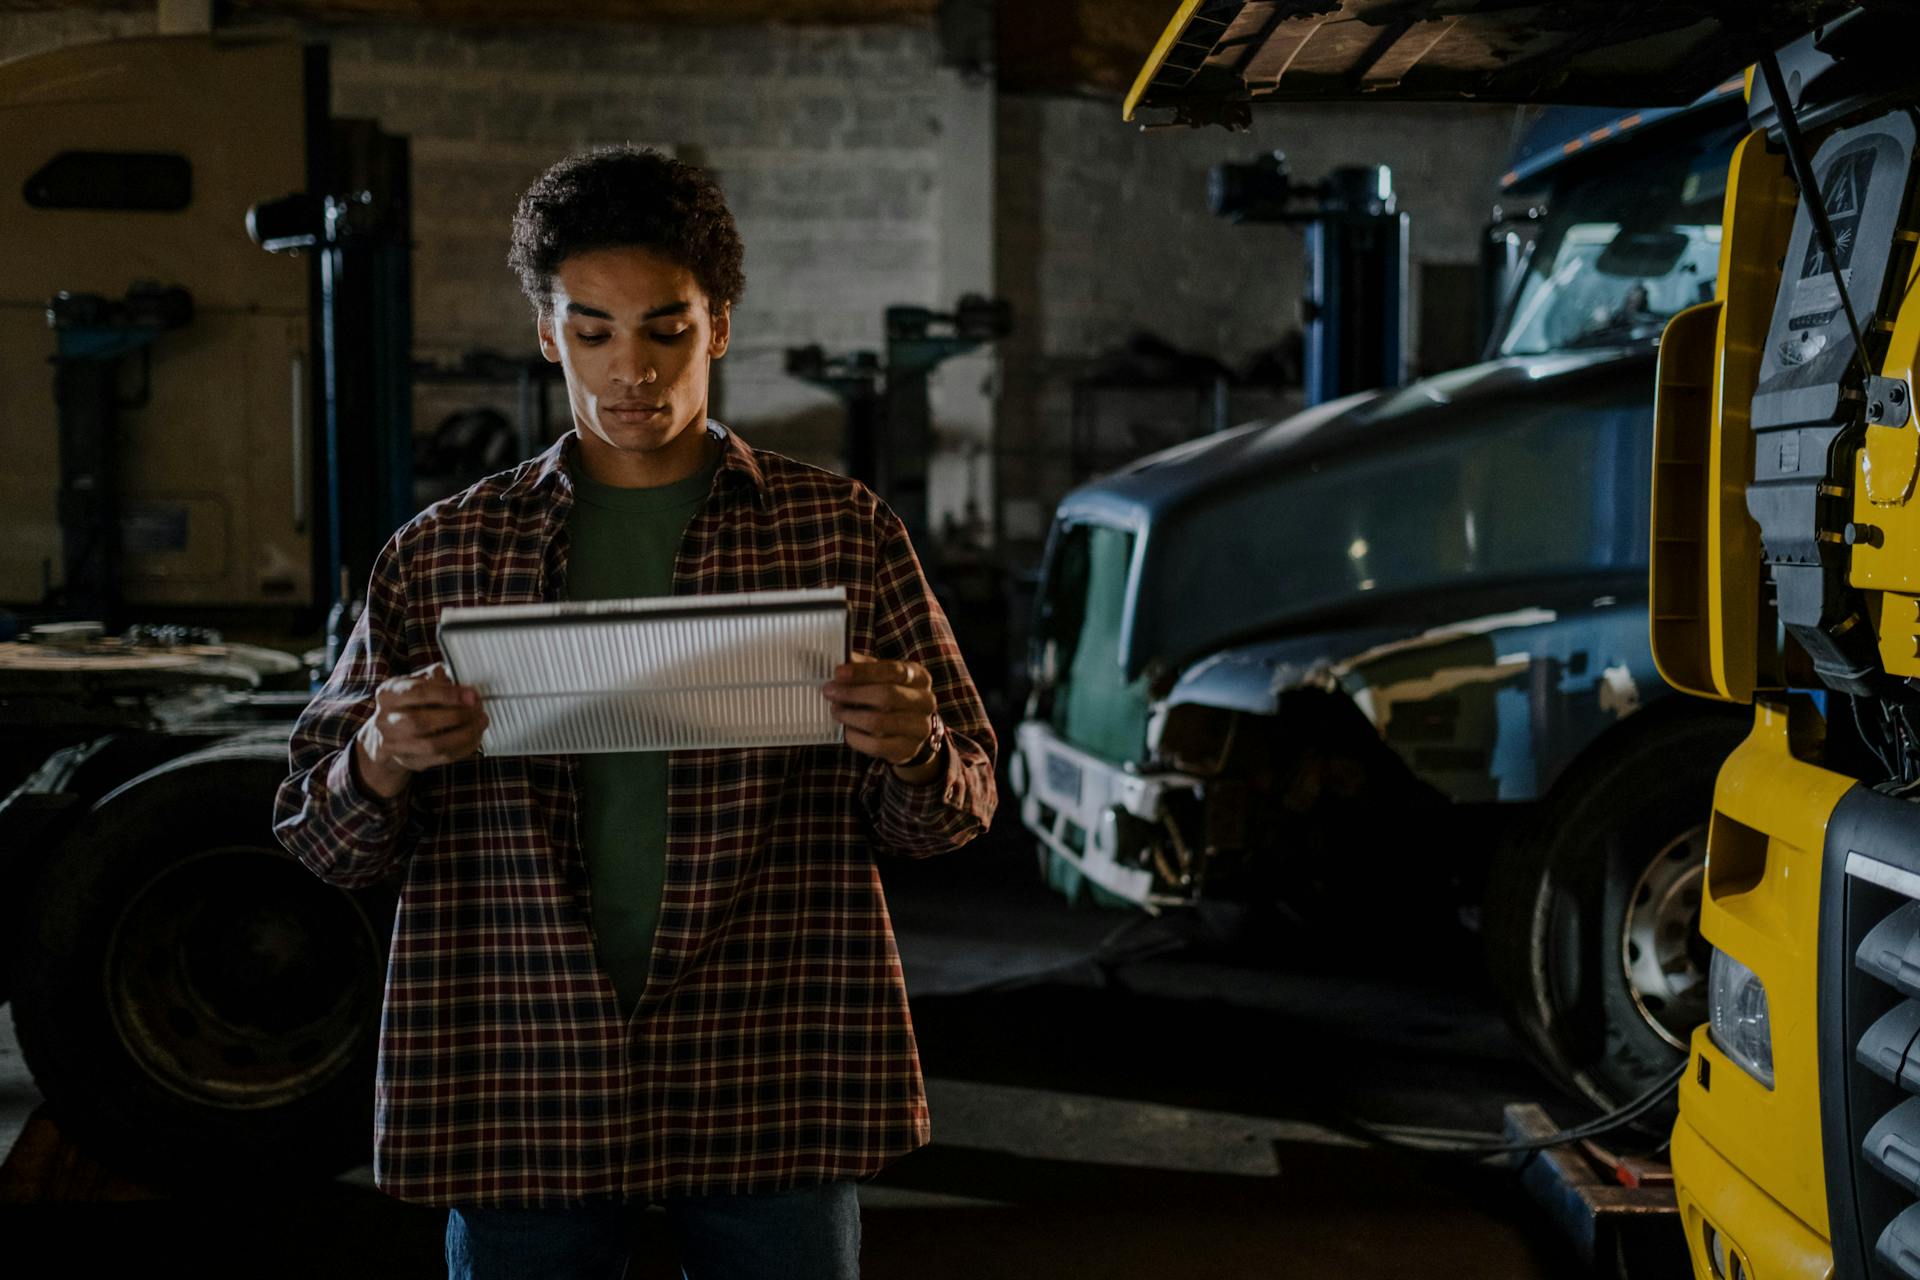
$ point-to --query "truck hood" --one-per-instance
(1521, 469)
(1219, 56)
(1368, 421)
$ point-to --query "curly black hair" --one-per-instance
(615, 197)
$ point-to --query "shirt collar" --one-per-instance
(545, 470)
(738, 459)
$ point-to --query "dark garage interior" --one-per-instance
(1370, 537)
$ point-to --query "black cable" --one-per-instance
(1483, 1146)
(1810, 190)
(1874, 741)
(1909, 737)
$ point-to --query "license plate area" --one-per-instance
(1065, 778)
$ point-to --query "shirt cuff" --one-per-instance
(356, 801)
(918, 799)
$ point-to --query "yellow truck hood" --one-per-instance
(1217, 57)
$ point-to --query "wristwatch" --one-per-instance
(929, 750)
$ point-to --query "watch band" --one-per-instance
(929, 750)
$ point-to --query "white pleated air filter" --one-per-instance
(662, 674)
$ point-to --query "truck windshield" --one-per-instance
(1624, 246)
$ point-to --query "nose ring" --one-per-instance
(651, 375)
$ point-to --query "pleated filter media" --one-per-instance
(672, 673)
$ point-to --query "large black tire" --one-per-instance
(1592, 915)
(195, 1005)
(56, 791)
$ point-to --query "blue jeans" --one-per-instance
(809, 1234)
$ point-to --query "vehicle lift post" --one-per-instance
(92, 336)
(1354, 310)
(889, 415)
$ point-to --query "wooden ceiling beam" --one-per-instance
(1042, 46)
(546, 13)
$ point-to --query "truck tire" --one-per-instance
(57, 793)
(195, 1005)
(1593, 908)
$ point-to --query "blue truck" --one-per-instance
(1397, 644)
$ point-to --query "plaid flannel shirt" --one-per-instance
(772, 1046)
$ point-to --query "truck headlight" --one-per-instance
(1737, 1016)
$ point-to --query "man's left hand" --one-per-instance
(887, 710)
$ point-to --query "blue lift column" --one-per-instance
(1354, 309)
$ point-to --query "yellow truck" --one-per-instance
(1785, 561)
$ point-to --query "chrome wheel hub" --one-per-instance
(236, 979)
(1660, 946)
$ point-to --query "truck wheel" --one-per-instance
(194, 1004)
(1593, 909)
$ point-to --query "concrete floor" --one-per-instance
(1177, 1113)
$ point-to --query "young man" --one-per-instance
(618, 980)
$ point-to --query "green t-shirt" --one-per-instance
(622, 544)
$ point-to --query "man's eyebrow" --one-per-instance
(670, 309)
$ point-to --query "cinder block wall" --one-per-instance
(864, 174)
(824, 141)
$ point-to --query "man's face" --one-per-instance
(636, 337)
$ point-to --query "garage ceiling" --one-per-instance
(1044, 46)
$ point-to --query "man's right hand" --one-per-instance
(418, 721)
